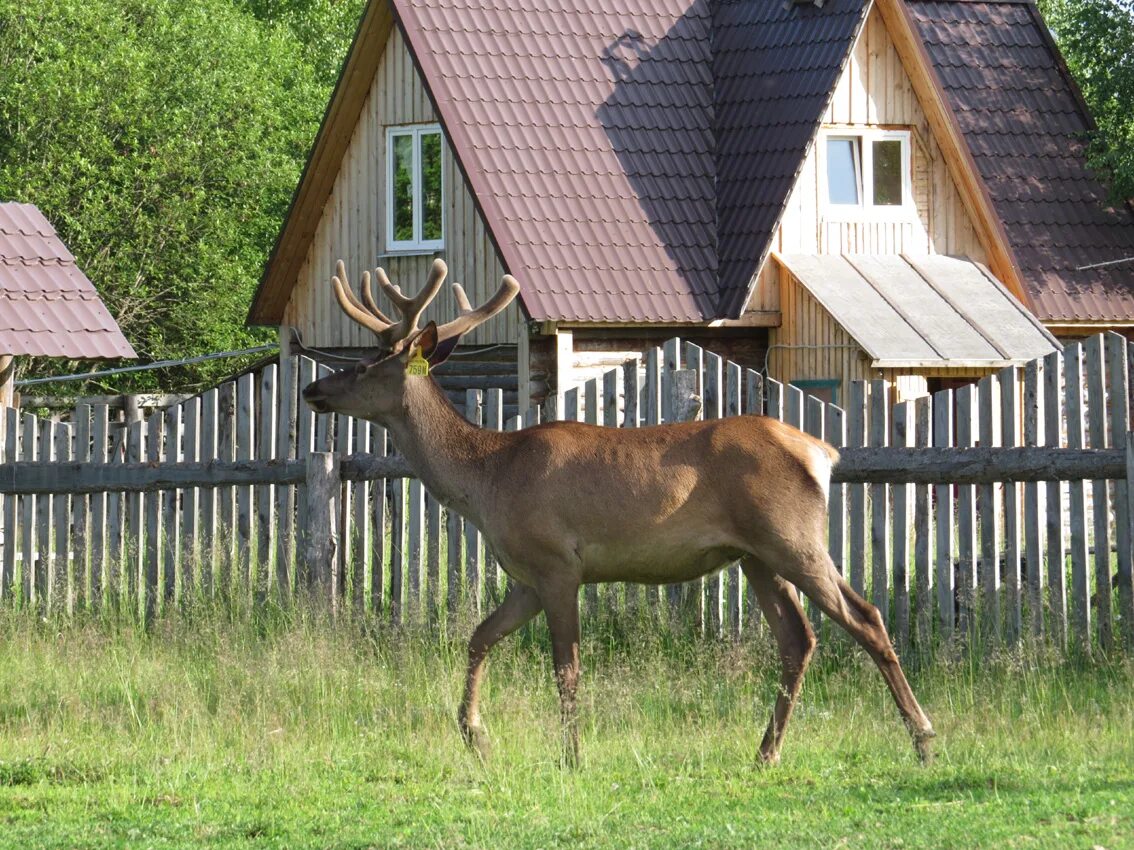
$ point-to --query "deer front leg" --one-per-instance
(561, 605)
(520, 604)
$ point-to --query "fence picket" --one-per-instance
(987, 516)
(965, 580)
(189, 509)
(79, 595)
(856, 493)
(712, 407)
(1077, 494)
(923, 534)
(207, 506)
(61, 583)
(474, 412)
(1096, 415)
(380, 446)
(902, 434)
(171, 531)
(151, 571)
(1009, 384)
(267, 529)
(1056, 551)
(348, 493)
(1118, 379)
(1033, 518)
(879, 504)
(100, 440)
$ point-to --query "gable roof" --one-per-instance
(604, 158)
(48, 307)
(1026, 126)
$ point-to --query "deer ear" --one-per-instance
(434, 350)
(442, 350)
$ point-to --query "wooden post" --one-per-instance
(321, 534)
(1118, 377)
(1125, 567)
(7, 380)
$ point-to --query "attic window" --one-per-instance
(867, 171)
(414, 189)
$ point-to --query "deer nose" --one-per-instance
(315, 399)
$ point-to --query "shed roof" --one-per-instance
(48, 307)
(1027, 128)
(923, 311)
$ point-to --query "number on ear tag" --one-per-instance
(417, 365)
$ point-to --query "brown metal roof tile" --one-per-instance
(1026, 126)
(48, 307)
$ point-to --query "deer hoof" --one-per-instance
(922, 743)
(769, 759)
(476, 739)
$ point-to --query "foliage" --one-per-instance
(164, 141)
(1096, 38)
(234, 732)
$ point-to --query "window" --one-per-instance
(825, 389)
(414, 189)
(868, 172)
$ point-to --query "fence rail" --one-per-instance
(995, 511)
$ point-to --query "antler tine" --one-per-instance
(350, 304)
(368, 299)
(412, 308)
(470, 318)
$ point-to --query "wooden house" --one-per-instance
(835, 191)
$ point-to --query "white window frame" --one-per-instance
(866, 209)
(417, 245)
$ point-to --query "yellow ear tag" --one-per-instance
(417, 364)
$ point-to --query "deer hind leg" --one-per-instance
(561, 604)
(519, 606)
(796, 642)
(863, 621)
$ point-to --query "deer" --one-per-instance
(564, 504)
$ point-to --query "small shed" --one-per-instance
(48, 307)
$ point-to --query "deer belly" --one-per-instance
(653, 562)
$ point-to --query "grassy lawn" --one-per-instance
(295, 734)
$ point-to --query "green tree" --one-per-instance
(1097, 40)
(164, 140)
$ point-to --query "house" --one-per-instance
(826, 190)
(48, 307)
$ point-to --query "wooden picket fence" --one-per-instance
(979, 517)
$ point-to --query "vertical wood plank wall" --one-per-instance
(874, 90)
(353, 225)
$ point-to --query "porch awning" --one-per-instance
(923, 312)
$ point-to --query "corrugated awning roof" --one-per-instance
(923, 312)
(48, 307)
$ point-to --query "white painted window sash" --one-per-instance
(866, 209)
(416, 245)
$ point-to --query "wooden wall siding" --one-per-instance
(874, 90)
(353, 225)
(807, 323)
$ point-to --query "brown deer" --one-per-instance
(565, 504)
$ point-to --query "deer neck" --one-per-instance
(452, 457)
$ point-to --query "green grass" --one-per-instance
(210, 732)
